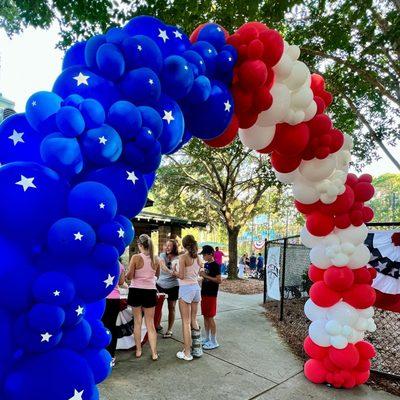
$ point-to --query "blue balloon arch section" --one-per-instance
(75, 168)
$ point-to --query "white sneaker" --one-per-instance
(182, 356)
(210, 345)
(204, 341)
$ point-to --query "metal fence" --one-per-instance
(294, 285)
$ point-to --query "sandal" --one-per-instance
(138, 355)
(156, 358)
(167, 335)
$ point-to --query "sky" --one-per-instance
(30, 62)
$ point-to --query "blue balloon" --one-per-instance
(128, 186)
(86, 83)
(58, 374)
(201, 90)
(112, 233)
(54, 288)
(62, 154)
(101, 336)
(141, 86)
(100, 363)
(76, 310)
(126, 224)
(213, 34)
(18, 140)
(141, 51)
(144, 25)
(177, 42)
(77, 337)
(70, 121)
(93, 113)
(177, 77)
(110, 61)
(209, 55)
(219, 111)
(95, 310)
(72, 237)
(92, 202)
(125, 118)
(173, 124)
(101, 146)
(150, 179)
(33, 197)
(91, 48)
(197, 62)
(73, 100)
(232, 50)
(151, 118)
(46, 317)
(75, 55)
(116, 35)
(6, 339)
(41, 109)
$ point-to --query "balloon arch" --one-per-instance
(78, 164)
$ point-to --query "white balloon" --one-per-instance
(304, 193)
(353, 234)
(316, 170)
(309, 240)
(339, 342)
(295, 117)
(319, 258)
(310, 111)
(361, 324)
(333, 327)
(343, 313)
(284, 67)
(318, 334)
(298, 76)
(257, 137)
(360, 257)
(348, 248)
(293, 51)
(371, 325)
(366, 312)
(326, 199)
(287, 178)
(279, 108)
(340, 260)
(302, 98)
(347, 331)
(314, 312)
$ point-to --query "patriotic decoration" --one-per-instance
(78, 165)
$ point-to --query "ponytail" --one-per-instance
(190, 244)
(147, 243)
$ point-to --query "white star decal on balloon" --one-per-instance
(177, 34)
(81, 79)
(26, 183)
(186, 67)
(219, 29)
(163, 35)
(102, 140)
(79, 311)
(149, 132)
(102, 206)
(33, 103)
(77, 395)
(45, 337)
(201, 62)
(56, 293)
(229, 58)
(151, 81)
(121, 233)
(16, 137)
(132, 177)
(227, 105)
(139, 47)
(78, 236)
(109, 281)
(210, 51)
(168, 116)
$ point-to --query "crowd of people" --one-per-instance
(177, 275)
(250, 265)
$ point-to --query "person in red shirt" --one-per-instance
(209, 291)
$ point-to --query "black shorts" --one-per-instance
(171, 292)
(146, 298)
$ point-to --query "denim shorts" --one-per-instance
(190, 293)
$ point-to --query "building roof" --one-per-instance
(156, 220)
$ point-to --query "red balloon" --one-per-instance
(317, 83)
(256, 49)
(315, 274)
(343, 202)
(346, 358)
(327, 97)
(227, 136)
(365, 349)
(368, 214)
(372, 272)
(329, 365)
(337, 140)
(349, 382)
(315, 371)
(247, 120)
(342, 221)
(322, 152)
(308, 208)
(234, 40)
(252, 74)
(319, 224)
(339, 278)
(362, 275)
(313, 350)
(363, 191)
(243, 99)
(351, 179)
(273, 46)
(365, 178)
(356, 217)
(363, 365)
(320, 124)
(320, 104)
(262, 99)
(284, 164)
(248, 32)
(291, 140)
(360, 295)
(361, 377)
(323, 296)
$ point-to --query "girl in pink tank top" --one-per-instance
(143, 270)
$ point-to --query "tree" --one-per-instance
(219, 185)
(354, 43)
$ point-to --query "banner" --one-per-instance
(273, 268)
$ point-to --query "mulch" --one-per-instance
(242, 286)
(294, 328)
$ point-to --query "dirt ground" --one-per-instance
(294, 328)
(242, 286)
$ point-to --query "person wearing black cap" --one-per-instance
(209, 291)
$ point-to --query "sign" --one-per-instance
(273, 268)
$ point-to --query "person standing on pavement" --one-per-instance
(218, 256)
(168, 283)
(209, 291)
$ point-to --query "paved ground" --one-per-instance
(252, 363)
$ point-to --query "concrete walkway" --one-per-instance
(252, 363)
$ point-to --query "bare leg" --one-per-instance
(171, 314)
(213, 326)
(187, 334)
(137, 329)
(207, 327)
(193, 316)
(151, 330)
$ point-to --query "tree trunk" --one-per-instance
(233, 251)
